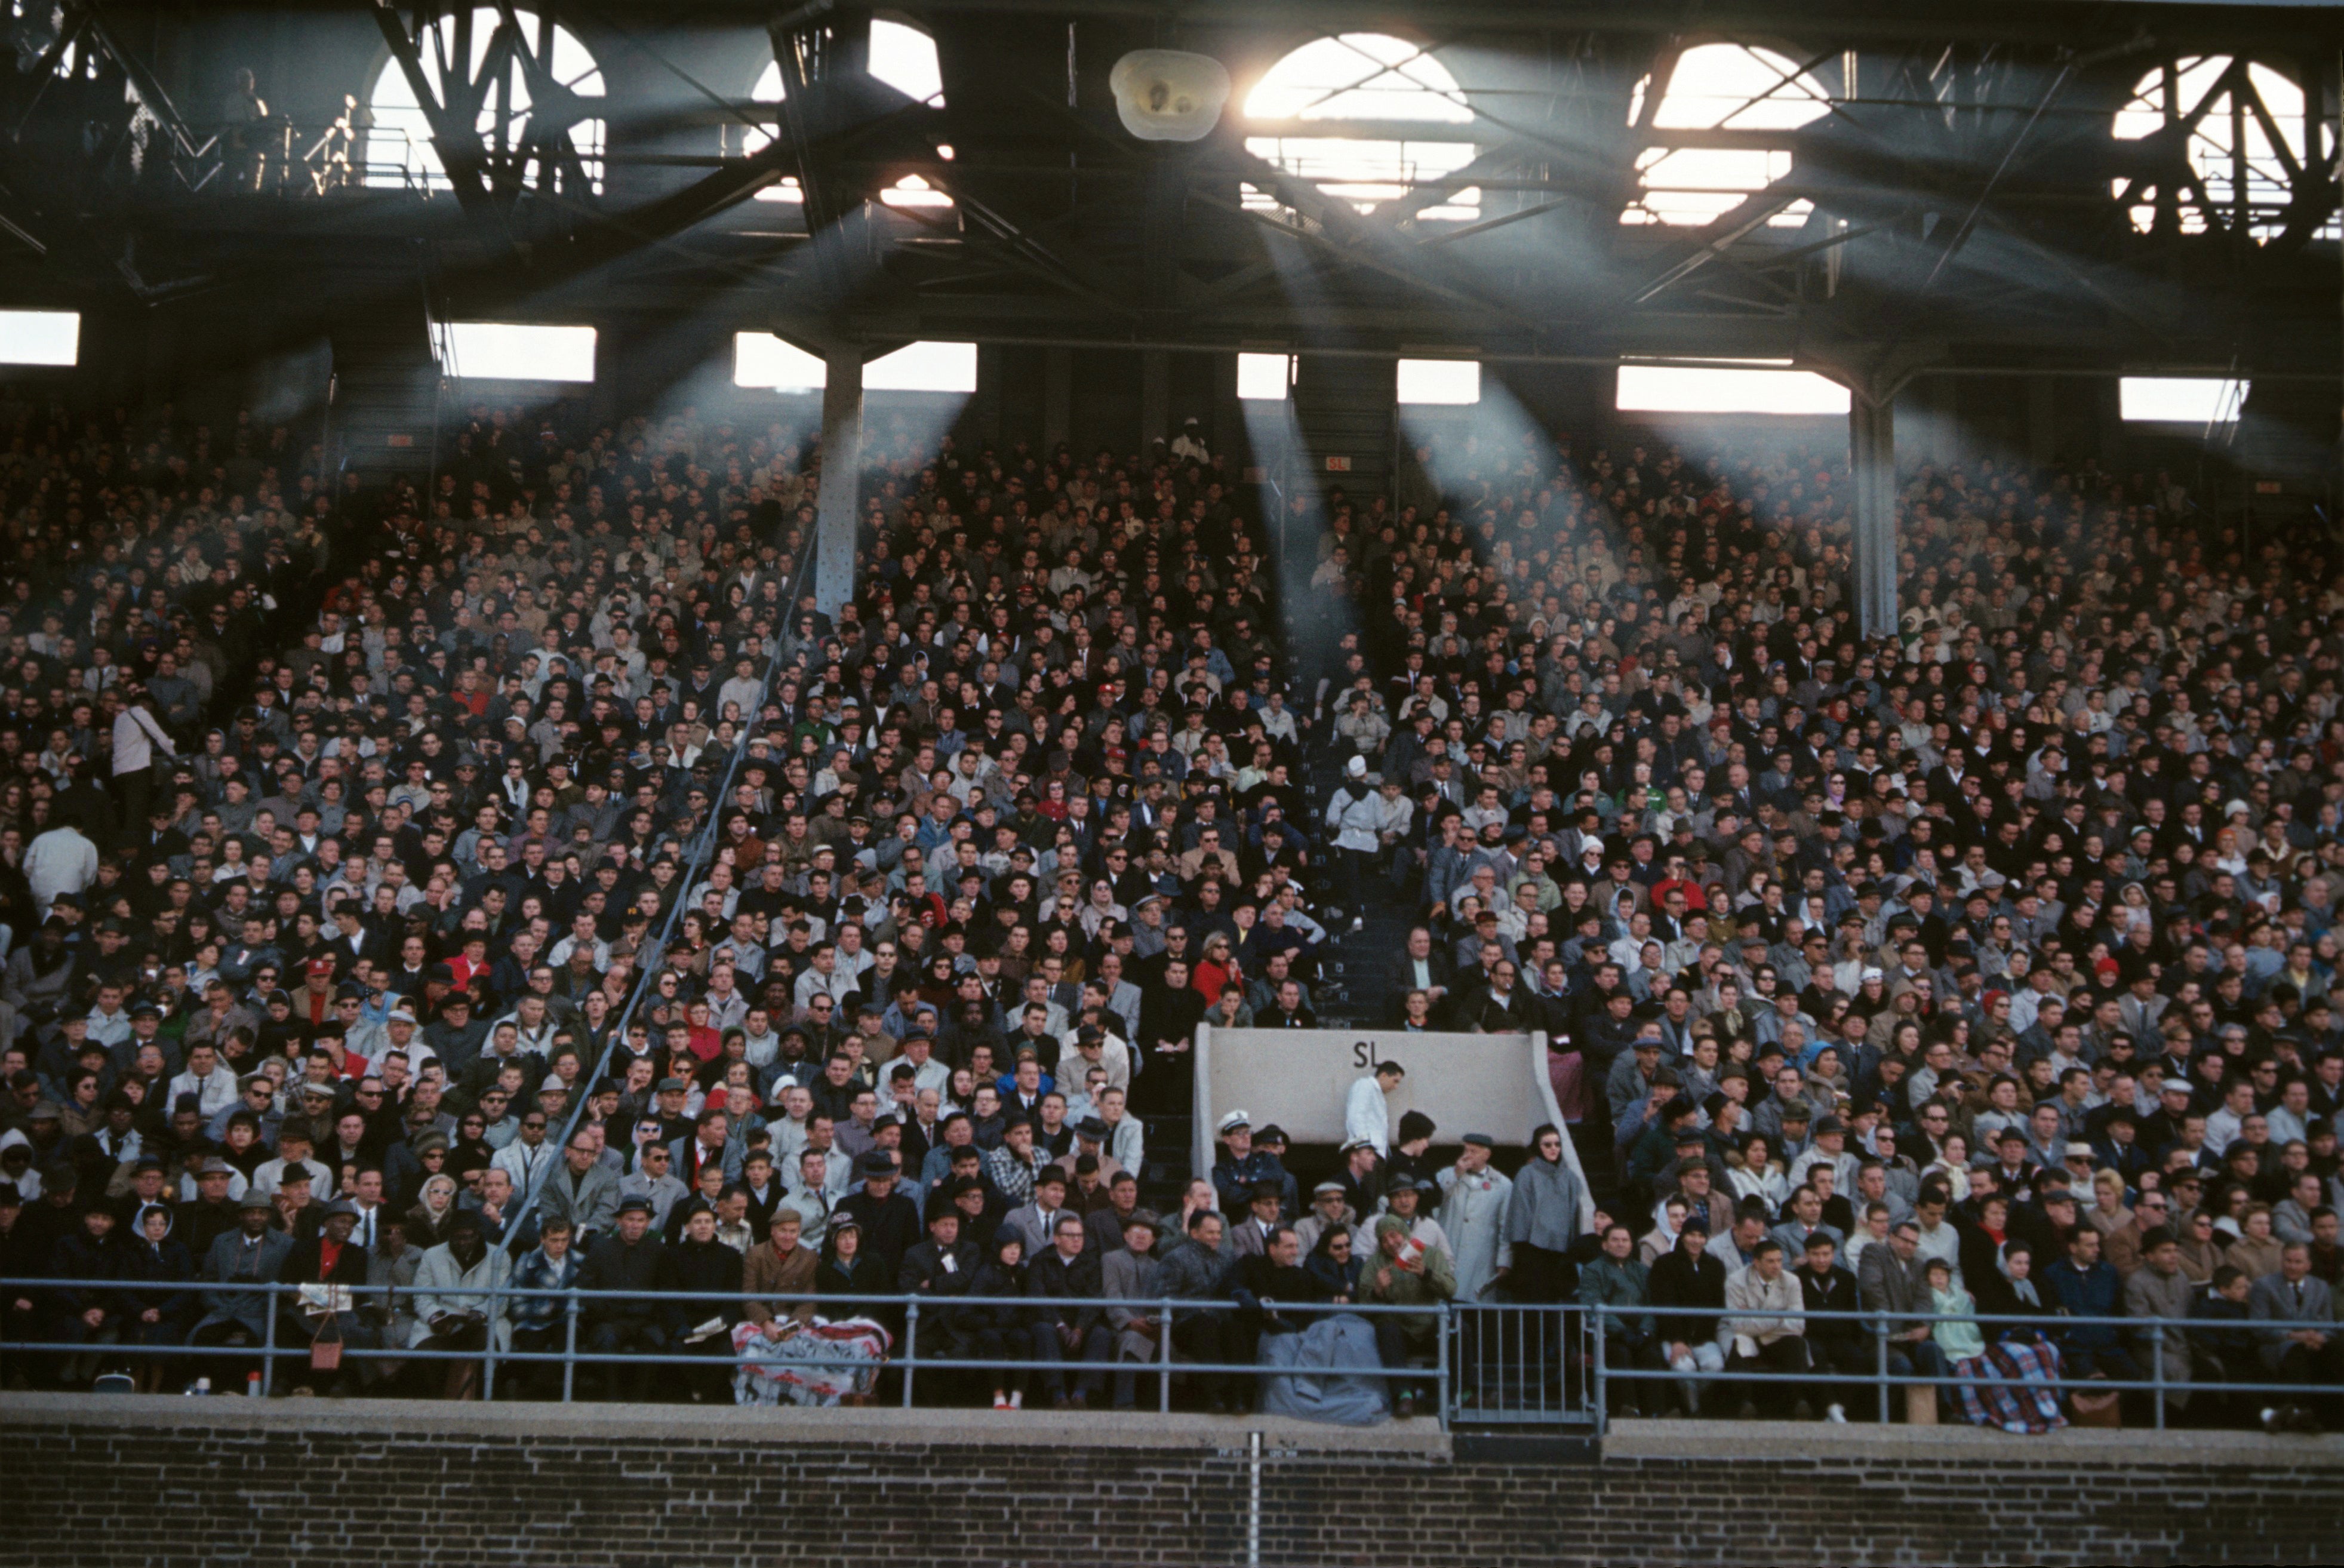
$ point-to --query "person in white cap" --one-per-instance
(1240, 1165)
(1357, 817)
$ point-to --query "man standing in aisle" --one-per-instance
(1356, 817)
(1366, 1113)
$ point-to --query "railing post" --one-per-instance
(2156, 1370)
(1880, 1358)
(1164, 1360)
(489, 1355)
(1596, 1374)
(911, 1349)
(268, 1343)
(570, 1348)
(1441, 1349)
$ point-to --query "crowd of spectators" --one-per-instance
(342, 819)
(340, 822)
(2005, 944)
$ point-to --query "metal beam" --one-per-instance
(1331, 224)
(600, 239)
(2218, 23)
(142, 79)
(1166, 198)
(1011, 237)
(463, 158)
(1969, 220)
(816, 62)
(1746, 216)
(1503, 220)
(554, 111)
(10, 227)
(1487, 162)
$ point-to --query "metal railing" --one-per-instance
(280, 1339)
(290, 160)
(2137, 1338)
(1488, 1363)
(1521, 1365)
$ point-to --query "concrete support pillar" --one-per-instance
(1872, 461)
(1058, 396)
(1155, 398)
(839, 500)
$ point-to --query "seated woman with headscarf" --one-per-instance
(1753, 1171)
(427, 1221)
(1001, 1330)
(1332, 1263)
(149, 1261)
(2006, 1372)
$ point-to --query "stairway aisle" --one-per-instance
(1358, 975)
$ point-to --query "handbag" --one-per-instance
(2095, 1410)
(325, 1345)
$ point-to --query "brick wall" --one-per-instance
(343, 1486)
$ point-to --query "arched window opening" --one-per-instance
(1721, 87)
(2245, 138)
(399, 151)
(902, 57)
(1386, 84)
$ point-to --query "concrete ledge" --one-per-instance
(1091, 1429)
(632, 1424)
(1958, 1444)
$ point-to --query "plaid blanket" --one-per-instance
(2010, 1387)
(815, 1365)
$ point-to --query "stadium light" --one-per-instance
(1168, 95)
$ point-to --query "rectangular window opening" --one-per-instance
(1265, 377)
(2180, 399)
(1450, 382)
(40, 338)
(1760, 388)
(515, 351)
